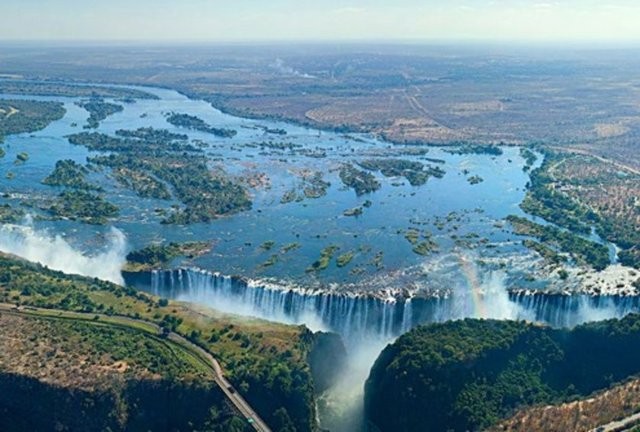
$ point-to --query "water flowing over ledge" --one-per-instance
(357, 316)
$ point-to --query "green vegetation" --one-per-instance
(24, 116)
(356, 211)
(22, 157)
(158, 256)
(488, 149)
(545, 252)
(289, 196)
(267, 245)
(544, 200)
(82, 206)
(325, 258)
(582, 250)
(142, 183)
(315, 186)
(10, 215)
(579, 192)
(361, 181)
(474, 180)
(378, 260)
(274, 145)
(273, 260)
(469, 375)
(98, 111)
(414, 172)
(289, 247)
(425, 247)
(412, 235)
(144, 158)
(529, 157)
(266, 362)
(274, 131)
(70, 174)
(196, 123)
(344, 259)
(102, 376)
(32, 88)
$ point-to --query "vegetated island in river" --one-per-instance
(415, 172)
(473, 374)
(25, 116)
(36, 88)
(69, 173)
(195, 123)
(580, 192)
(154, 257)
(146, 160)
(98, 110)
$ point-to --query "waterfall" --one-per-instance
(360, 316)
(569, 310)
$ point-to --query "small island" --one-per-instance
(149, 160)
(415, 172)
(70, 174)
(98, 111)
(82, 206)
(155, 257)
(362, 182)
(195, 123)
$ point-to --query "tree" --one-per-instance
(282, 421)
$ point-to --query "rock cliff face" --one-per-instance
(29, 404)
(65, 374)
(471, 374)
(86, 372)
(327, 358)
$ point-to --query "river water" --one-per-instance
(368, 300)
(459, 216)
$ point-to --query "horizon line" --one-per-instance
(569, 42)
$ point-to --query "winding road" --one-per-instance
(145, 326)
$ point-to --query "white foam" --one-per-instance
(56, 253)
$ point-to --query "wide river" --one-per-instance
(464, 219)
(477, 253)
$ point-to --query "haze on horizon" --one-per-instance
(255, 20)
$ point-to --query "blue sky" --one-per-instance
(255, 20)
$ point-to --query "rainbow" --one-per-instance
(471, 277)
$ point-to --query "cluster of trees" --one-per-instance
(10, 215)
(546, 199)
(155, 256)
(469, 375)
(582, 250)
(268, 365)
(488, 149)
(84, 206)
(152, 156)
(360, 181)
(413, 171)
(98, 111)
(121, 403)
(529, 157)
(70, 174)
(24, 116)
(34, 88)
(192, 122)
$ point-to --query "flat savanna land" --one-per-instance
(586, 100)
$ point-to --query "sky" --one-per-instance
(274, 20)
